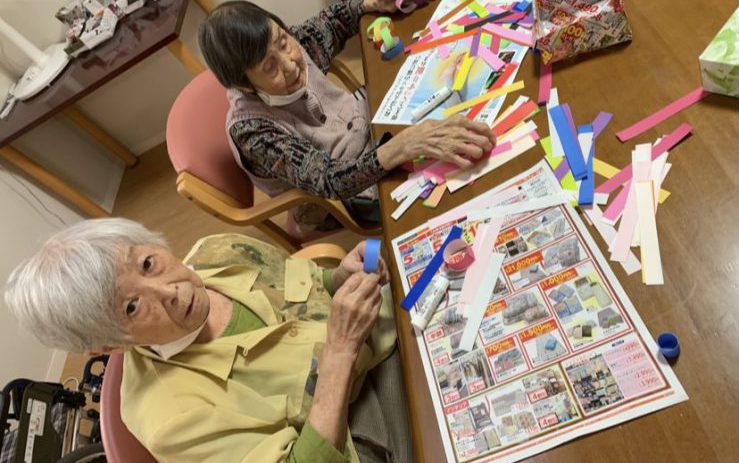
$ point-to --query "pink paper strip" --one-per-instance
(438, 171)
(443, 50)
(621, 245)
(666, 144)
(616, 208)
(509, 34)
(661, 115)
(484, 245)
(491, 58)
(545, 82)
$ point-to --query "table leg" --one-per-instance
(186, 57)
(52, 182)
(206, 5)
(97, 133)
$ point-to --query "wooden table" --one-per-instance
(697, 227)
(138, 36)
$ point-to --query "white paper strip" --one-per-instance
(404, 188)
(413, 195)
(522, 207)
(631, 265)
(477, 310)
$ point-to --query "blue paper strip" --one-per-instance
(372, 256)
(428, 274)
(587, 185)
(569, 143)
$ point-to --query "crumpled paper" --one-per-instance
(566, 28)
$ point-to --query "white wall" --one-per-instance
(133, 108)
(29, 217)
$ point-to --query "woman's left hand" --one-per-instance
(380, 6)
(354, 263)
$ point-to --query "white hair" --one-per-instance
(65, 293)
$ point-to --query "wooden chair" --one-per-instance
(209, 176)
(120, 445)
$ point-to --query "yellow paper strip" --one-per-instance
(462, 72)
(483, 98)
(479, 10)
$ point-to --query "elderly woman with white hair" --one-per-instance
(223, 350)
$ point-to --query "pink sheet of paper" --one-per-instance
(622, 243)
(663, 114)
(484, 245)
(666, 144)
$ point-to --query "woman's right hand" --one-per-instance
(356, 306)
(456, 139)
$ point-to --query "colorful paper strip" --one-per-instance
(569, 142)
(486, 97)
(663, 114)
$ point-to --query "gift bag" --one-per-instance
(565, 28)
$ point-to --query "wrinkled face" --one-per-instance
(158, 299)
(282, 71)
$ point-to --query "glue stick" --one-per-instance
(429, 301)
(432, 102)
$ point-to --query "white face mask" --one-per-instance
(283, 100)
(169, 350)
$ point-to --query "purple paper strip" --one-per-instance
(601, 122)
(561, 171)
(475, 43)
(427, 190)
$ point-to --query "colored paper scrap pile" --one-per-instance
(566, 28)
(720, 61)
(482, 27)
(633, 208)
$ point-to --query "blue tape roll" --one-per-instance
(430, 271)
(668, 345)
(372, 256)
(387, 55)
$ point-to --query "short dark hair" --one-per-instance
(234, 38)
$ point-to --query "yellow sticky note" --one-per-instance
(462, 72)
(298, 281)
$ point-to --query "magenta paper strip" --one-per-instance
(661, 115)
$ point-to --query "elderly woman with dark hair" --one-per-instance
(291, 127)
(239, 354)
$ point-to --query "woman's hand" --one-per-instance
(379, 6)
(356, 306)
(354, 263)
(457, 140)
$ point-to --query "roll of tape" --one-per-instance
(388, 39)
(406, 6)
(458, 255)
(372, 256)
(393, 52)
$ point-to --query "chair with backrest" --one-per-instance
(120, 445)
(209, 176)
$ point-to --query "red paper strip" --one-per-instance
(524, 111)
(507, 71)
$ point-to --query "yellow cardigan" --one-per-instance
(242, 398)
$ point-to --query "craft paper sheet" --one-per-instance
(561, 351)
(423, 74)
